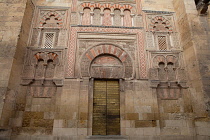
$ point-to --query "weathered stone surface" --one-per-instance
(139, 124)
(158, 50)
(132, 116)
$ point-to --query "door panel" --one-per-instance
(106, 108)
(99, 110)
(113, 108)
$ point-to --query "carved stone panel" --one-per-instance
(49, 28)
(166, 91)
(160, 22)
(43, 64)
(40, 89)
(167, 74)
(106, 61)
(106, 66)
(51, 18)
(161, 31)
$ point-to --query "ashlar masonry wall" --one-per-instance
(50, 96)
(194, 40)
(16, 17)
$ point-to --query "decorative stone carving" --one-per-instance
(162, 74)
(167, 74)
(117, 18)
(96, 17)
(42, 89)
(150, 40)
(106, 14)
(107, 17)
(49, 27)
(106, 61)
(43, 65)
(51, 18)
(39, 68)
(127, 18)
(106, 66)
(174, 41)
(86, 16)
(161, 32)
(107, 5)
(167, 90)
(160, 23)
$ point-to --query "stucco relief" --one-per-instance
(106, 61)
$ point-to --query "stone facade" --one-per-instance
(52, 52)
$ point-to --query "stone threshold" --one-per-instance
(107, 137)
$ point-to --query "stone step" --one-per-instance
(110, 137)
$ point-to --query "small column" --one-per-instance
(132, 20)
(91, 18)
(112, 18)
(102, 15)
(81, 17)
(171, 41)
(122, 19)
(39, 37)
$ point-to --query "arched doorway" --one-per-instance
(106, 65)
(106, 69)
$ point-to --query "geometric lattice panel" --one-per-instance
(48, 40)
(162, 43)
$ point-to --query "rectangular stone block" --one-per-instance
(202, 124)
(151, 116)
(71, 123)
(49, 115)
(171, 131)
(203, 131)
(27, 116)
(145, 123)
(82, 131)
(83, 116)
(60, 124)
(149, 131)
(132, 116)
(42, 123)
(172, 123)
(64, 131)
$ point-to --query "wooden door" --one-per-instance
(106, 107)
